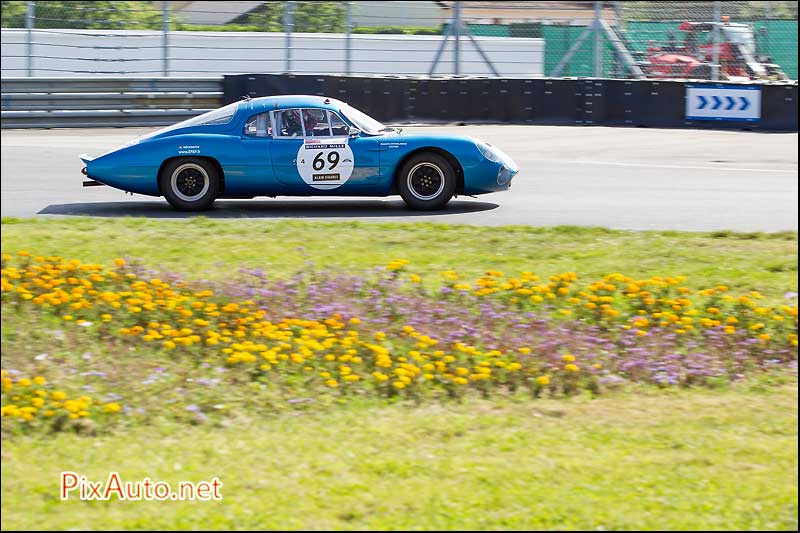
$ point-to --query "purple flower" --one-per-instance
(95, 373)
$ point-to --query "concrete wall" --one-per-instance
(139, 53)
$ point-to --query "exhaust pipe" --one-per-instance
(90, 183)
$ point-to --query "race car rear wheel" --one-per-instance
(426, 181)
(189, 183)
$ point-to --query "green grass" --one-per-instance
(642, 458)
(724, 459)
(212, 248)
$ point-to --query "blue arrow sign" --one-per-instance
(711, 101)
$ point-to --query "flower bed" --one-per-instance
(391, 333)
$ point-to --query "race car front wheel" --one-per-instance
(426, 181)
(189, 183)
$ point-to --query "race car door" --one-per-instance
(313, 153)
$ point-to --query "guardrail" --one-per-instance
(111, 102)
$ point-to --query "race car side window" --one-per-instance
(316, 123)
(288, 123)
(338, 126)
(307, 122)
(258, 126)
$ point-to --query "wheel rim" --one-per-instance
(425, 181)
(190, 182)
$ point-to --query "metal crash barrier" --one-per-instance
(99, 102)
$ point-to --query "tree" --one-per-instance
(13, 15)
(127, 15)
(308, 17)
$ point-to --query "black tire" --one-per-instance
(426, 181)
(189, 183)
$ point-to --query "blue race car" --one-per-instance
(298, 146)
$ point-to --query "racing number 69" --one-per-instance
(319, 162)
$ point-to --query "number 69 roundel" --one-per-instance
(325, 166)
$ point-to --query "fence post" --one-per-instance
(715, 41)
(30, 10)
(165, 38)
(598, 40)
(348, 30)
(288, 23)
(457, 47)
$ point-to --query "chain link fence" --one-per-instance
(731, 40)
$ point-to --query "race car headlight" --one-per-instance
(504, 175)
(489, 152)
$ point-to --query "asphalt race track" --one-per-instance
(630, 178)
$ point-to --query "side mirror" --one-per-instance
(353, 132)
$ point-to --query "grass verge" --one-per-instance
(199, 246)
(693, 459)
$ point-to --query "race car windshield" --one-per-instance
(363, 121)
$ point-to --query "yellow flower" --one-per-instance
(398, 385)
(112, 407)
(571, 368)
(414, 278)
(24, 382)
(568, 358)
(119, 262)
(39, 380)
